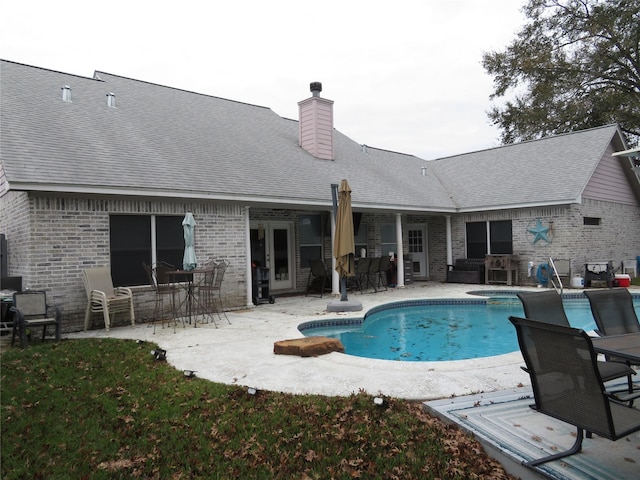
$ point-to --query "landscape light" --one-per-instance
(159, 354)
(252, 391)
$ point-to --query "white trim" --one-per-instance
(247, 254)
(626, 153)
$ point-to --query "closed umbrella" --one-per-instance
(189, 225)
(344, 243)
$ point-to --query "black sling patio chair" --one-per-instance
(319, 278)
(613, 311)
(547, 306)
(567, 384)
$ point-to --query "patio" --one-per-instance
(242, 354)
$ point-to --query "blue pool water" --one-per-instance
(437, 330)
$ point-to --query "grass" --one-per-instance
(107, 409)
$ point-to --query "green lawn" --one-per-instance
(81, 409)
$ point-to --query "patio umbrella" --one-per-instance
(189, 259)
(344, 243)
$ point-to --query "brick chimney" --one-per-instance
(316, 124)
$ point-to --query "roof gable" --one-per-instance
(550, 171)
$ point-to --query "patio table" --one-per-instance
(626, 346)
(185, 279)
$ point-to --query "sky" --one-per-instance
(404, 76)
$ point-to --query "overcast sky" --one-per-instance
(404, 76)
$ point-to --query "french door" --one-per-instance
(272, 248)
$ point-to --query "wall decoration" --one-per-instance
(539, 232)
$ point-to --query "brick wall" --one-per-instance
(617, 238)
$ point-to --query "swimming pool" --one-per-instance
(442, 329)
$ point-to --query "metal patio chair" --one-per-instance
(373, 273)
(210, 289)
(613, 311)
(383, 270)
(319, 278)
(547, 306)
(567, 384)
(31, 310)
(163, 288)
(361, 272)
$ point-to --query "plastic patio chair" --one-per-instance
(103, 298)
(567, 384)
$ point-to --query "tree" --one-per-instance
(574, 65)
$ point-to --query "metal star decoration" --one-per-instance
(539, 232)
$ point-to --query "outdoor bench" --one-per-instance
(466, 270)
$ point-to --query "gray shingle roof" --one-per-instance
(552, 170)
(162, 141)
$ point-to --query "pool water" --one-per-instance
(454, 330)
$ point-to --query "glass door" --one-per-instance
(418, 249)
(271, 247)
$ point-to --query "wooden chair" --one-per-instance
(30, 310)
(103, 298)
(567, 384)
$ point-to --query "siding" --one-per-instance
(609, 183)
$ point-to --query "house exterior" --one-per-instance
(102, 170)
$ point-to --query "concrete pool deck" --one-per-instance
(241, 353)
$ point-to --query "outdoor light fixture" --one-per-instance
(140, 341)
(189, 373)
(252, 391)
(159, 354)
(379, 401)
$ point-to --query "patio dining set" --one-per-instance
(371, 273)
(188, 296)
(576, 378)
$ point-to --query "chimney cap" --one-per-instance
(316, 88)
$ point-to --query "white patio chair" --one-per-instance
(103, 298)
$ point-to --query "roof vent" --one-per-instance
(111, 100)
(66, 93)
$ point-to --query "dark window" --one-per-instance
(500, 238)
(591, 221)
(476, 239)
(130, 246)
(310, 232)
